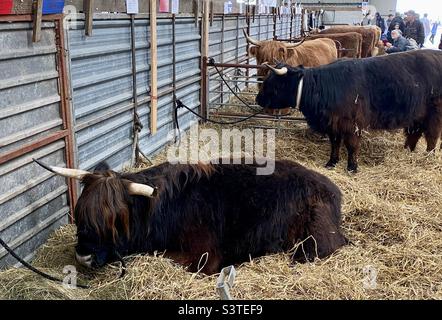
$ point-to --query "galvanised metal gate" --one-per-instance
(34, 123)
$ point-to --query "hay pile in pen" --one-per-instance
(392, 212)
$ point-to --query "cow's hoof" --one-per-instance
(330, 165)
(352, 170)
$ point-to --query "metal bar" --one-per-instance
(135, 157)
(274, 22)
(196, 11)
(236, 65)
(89, 16)
(211, 12)
(237, 81)
(240, 93)
(37, 17)
(24, 149)
(248, 45)
(222, 49)
(174, 72)
(73, 185)
(238, 77)
(237, 39)
(259, 116)
(153, 68)
(230, 104)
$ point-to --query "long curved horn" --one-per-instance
(294, 45)
(279, 72)
(65, 172)
(142, 190)
(250, 39)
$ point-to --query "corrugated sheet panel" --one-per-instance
(101, 82)
(188, 77)
(33, 202)
(101, 73)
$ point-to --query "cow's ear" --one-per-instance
(102, 166)
(253, 51)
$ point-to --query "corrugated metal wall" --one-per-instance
(188, 77)
(33, 202)
(101, 84)
(101, 74)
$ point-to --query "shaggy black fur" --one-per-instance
(225, 210)
(401, 90)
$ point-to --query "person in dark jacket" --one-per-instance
(389, 20)
(440, 44)
(399, 43)
(414, 28)
(396, 24)
(380, 22)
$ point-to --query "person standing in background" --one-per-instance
(414, 29)
(426, 22)
(389, 20)
(396, 24)
(380, 22)
(434, 31)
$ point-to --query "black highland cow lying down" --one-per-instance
(224, 210)
(402, 90)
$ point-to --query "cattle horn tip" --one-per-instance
(43, 165)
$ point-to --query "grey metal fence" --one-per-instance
(33, 202)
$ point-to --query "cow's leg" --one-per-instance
(199, 250)
(335, 141)
(352, 143)
(322, 236)
(432, 134)
(433, 126)
(412, 136)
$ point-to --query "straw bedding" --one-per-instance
(392, 213)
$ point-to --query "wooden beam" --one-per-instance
(88, 7)
(205, 27)
(37, 16)
(153, 68)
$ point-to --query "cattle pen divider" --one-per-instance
(227, 80)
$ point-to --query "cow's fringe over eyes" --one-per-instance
(104, 204)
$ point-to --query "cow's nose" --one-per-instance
(84, 260)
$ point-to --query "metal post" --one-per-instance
(136, 120)
(66, 113)
(174, 73)
(223, 21)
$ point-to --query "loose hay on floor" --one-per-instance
(392, 213)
